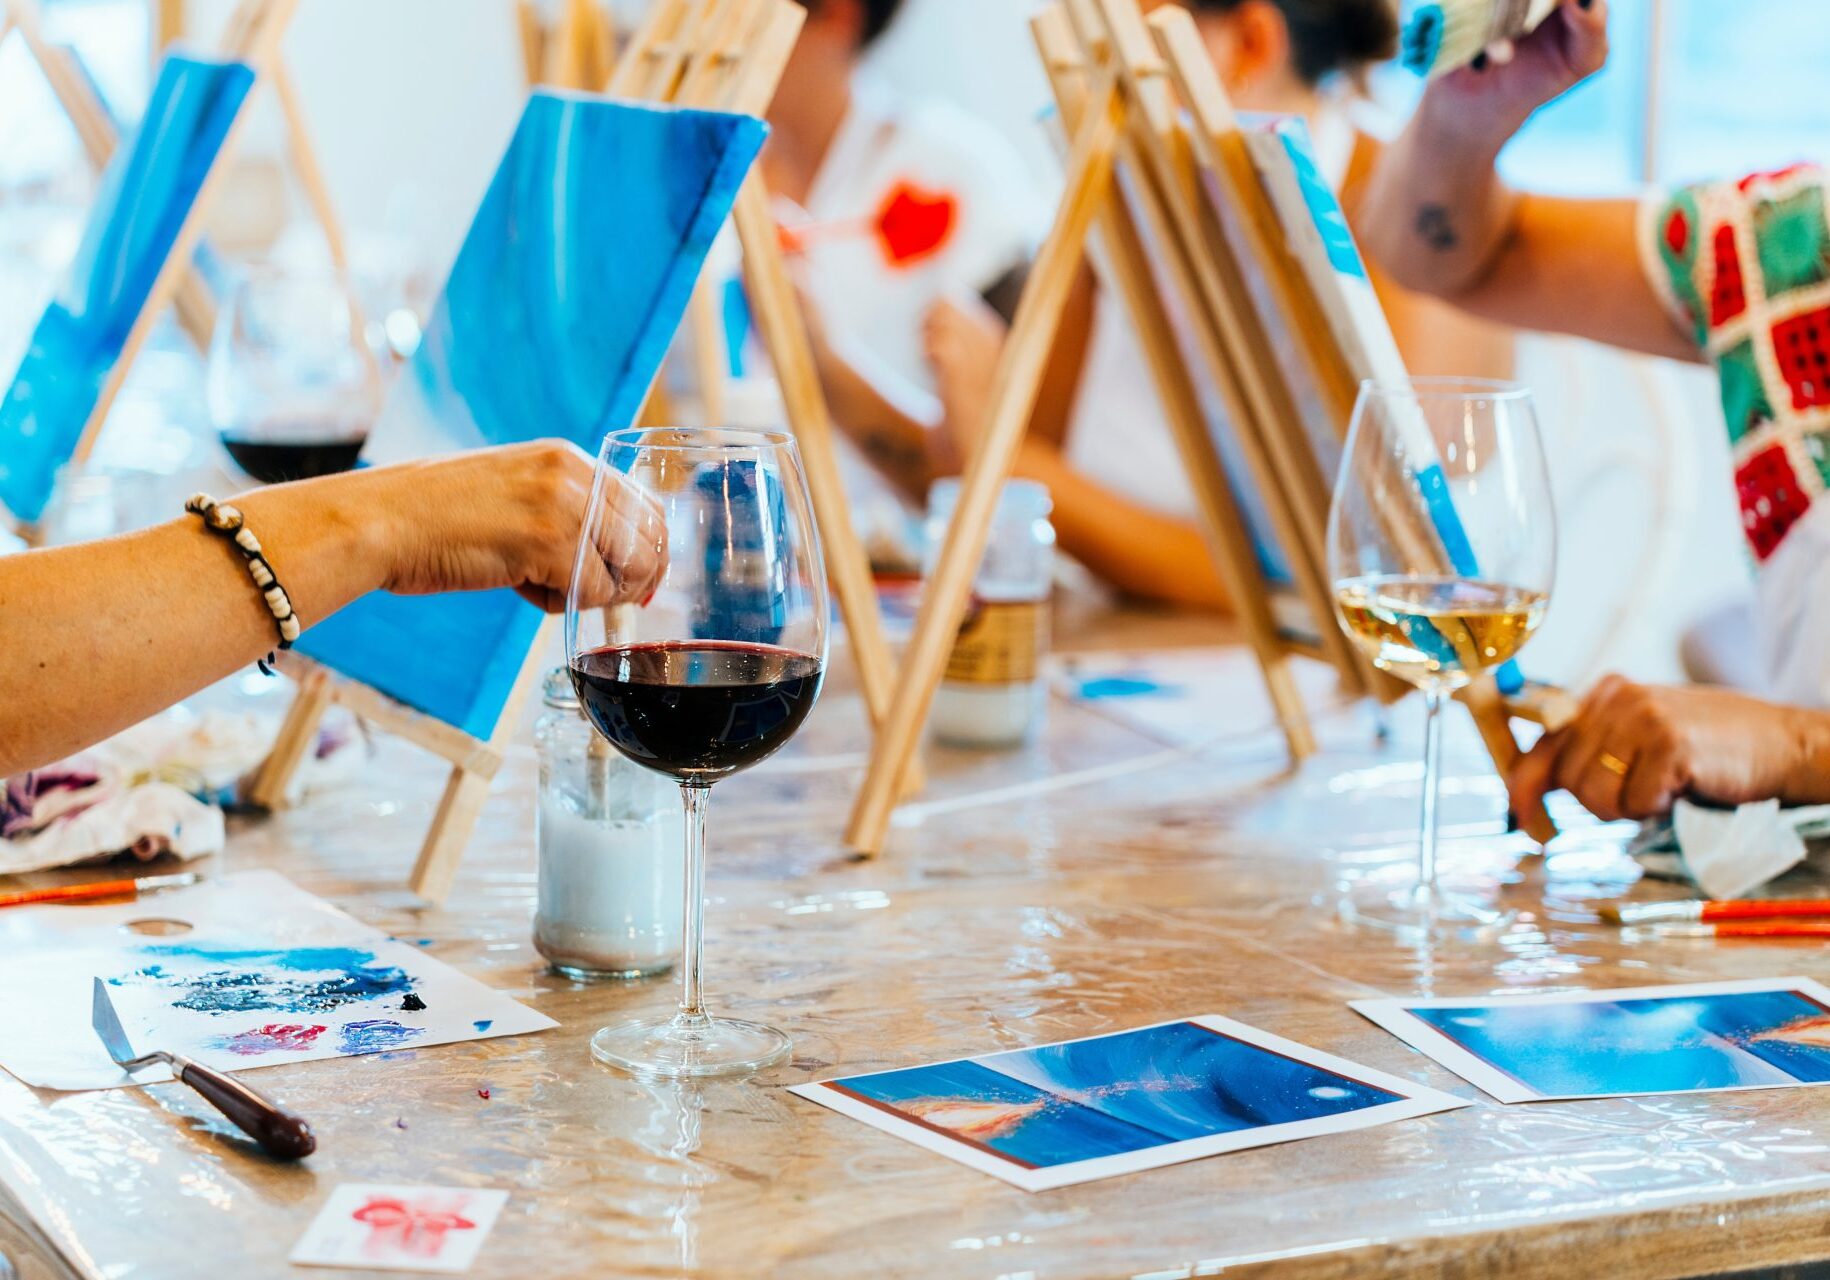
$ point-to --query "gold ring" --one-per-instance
(1612, 763)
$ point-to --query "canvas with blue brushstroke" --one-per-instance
(303, 983)
(555, 317)
(144, 198)
(1084, 1109)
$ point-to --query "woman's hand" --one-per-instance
(1634, 749)
(509, 517)
(1505, 85)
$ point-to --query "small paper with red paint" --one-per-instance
(438, 1229)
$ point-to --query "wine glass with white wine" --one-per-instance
(1442, 544)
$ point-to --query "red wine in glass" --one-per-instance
(271, 456)
(697, 710)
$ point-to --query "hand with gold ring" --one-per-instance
(1633, 749)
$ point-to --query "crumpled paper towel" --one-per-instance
(149, 819)
(1730, 852)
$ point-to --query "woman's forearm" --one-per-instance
(1435, 214)
(1140, 552)
(98, 636)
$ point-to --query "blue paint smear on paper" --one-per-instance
(282, 979)
(1104, 687)
(484, 1024)
(375, 1034)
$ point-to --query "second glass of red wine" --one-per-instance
(710, 674)
(293, 385)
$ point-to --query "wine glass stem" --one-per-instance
(692, 1004)
(1432, 772)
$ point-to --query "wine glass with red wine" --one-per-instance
(293, 383)
(709, 675)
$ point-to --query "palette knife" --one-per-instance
(279, 1132)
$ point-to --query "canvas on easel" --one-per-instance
(142, 232)
(1134, 170)
(704, 61)
(552, 323)
(146, 202)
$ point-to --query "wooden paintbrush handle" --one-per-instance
(279, 1132)
(1795, 909)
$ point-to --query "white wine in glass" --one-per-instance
(1442, 544)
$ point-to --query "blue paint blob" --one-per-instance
(484, 1024)
(281, 979)
(376, 1034)
(1122, 687)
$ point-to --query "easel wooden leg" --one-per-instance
(297, 734)
(778, 321)
(465, 792)
(709, 362)
(1019, 376)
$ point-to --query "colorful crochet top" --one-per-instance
(1745, 269)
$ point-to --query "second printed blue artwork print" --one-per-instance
(1089, 1098)
(145, 197)
(554, 320)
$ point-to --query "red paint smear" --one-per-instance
(913, 223)
(416, 1228)
(275, 1037)
(483, 1094)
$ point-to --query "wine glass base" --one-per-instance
(679, 1046)
(1413, 912)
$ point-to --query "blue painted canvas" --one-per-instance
(555, 317)
(145, 195)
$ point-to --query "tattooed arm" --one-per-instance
(1437, 217)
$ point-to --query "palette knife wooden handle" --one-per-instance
(278, 1131)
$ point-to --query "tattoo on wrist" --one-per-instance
(1434, 228)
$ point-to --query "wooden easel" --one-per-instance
(709, 54)
(253, 35)
(1112, 84)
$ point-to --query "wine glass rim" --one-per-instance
(700, 439)
(1447, 388)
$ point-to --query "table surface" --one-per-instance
(1095, 881)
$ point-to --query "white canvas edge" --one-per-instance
(1414, 1100)
(1393, 1014)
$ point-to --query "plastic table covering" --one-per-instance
(1142, 886)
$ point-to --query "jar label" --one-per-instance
(1000, 642)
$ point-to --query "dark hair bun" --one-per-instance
(1327, 36)
(1339, 35)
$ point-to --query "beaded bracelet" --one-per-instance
(227, 521)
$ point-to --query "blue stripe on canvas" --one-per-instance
(143, 199)
(554, 320)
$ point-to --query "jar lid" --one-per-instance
(557, 691)
(1019, 499)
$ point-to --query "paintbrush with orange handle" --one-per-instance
(98, 889)
(1706, 912)
(1746, 929)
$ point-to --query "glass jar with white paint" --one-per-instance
(993, 691)
(608, 837)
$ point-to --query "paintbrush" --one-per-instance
(1746, 929)
(256, 1115)
(1713, 912)
(1440, 36)
(100, 889)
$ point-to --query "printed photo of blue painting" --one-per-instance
(1064, 1103)
(1733, 1040)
